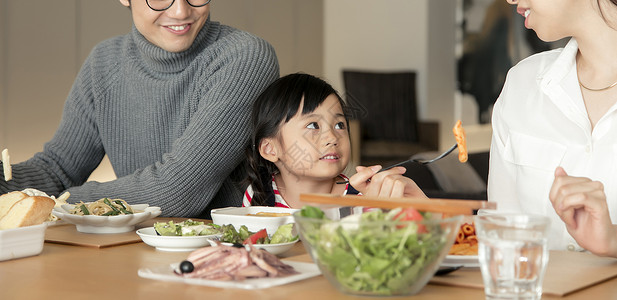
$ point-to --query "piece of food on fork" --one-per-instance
(461, 141)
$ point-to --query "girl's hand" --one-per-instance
(389, 183)
(581, 204)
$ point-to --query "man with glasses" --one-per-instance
(169, 104)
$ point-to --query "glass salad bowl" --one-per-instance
(377, 252)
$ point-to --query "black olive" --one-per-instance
(186, 267)
(238, 245)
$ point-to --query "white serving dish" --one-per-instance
(461, 260)
(107, 224)
(22, 241)
(173, 243)
(167, 273)
(275, 249)
(238, 216)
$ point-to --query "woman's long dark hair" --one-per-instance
(275, 106)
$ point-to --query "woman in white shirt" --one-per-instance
(554, 147)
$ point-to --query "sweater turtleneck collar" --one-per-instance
(159, 60)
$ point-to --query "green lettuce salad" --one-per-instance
(283, 234)
(228, 233)
(366, 253)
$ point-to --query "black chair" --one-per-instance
(426, 180)
(384, 105)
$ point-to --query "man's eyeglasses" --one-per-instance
(161, 5)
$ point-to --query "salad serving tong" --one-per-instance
(446, 206)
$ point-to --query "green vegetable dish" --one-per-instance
(186, 228)
(102, 207)
(283, 234)
(374, 253)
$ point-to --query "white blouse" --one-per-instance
(539, 123)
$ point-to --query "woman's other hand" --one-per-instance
(581, 204)
(390, 183)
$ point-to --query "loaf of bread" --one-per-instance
(17, 209)
(8, 200)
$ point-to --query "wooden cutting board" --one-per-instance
(67, 234)
(567, 272)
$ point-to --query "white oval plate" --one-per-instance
(167, 273)
(173, 243)
(275, 249)
(461, 260)
(107, 224)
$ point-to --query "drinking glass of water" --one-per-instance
(513, 254)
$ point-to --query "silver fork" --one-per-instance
(420, 161)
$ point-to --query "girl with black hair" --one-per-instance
(300, 144)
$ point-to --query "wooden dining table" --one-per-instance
(68, 271)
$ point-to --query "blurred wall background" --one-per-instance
(43, 44)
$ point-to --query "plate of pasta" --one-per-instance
(106, 215)
(464, 252)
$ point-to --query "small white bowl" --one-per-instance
(107, 224)
(173, 243)
(22, 241)
(238, 216)
(275, 249)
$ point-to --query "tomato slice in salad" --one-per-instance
(255, 237)
(411, 214)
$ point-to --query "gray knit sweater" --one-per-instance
(174, 125)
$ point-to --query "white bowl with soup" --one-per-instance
(254, 218)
